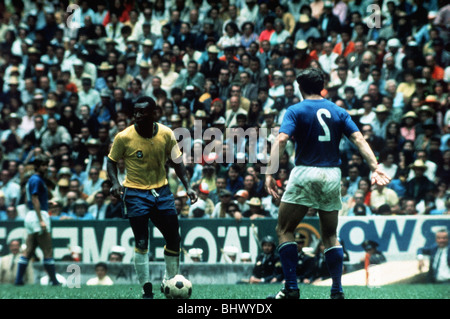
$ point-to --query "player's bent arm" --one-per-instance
(180, 170)
(111, 168)
(276, 152)
(378, 176)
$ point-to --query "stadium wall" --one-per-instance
(399, 237)
(76, 274)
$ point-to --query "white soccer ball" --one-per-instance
(178, 287)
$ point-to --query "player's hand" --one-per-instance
(117, 190)
(380, 178)
(43, 226)
(192, 195)
(271, 186)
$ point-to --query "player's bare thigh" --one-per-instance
(44, 241)
(289, 216)
(328, 227)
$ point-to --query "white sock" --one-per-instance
(172, 266)
(141, 265)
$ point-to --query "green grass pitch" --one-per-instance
(232, 292)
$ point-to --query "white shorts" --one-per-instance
(32, 224)
(314, 187)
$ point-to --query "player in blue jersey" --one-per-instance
(316, 125)
(37, 222)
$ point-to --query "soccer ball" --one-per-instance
(178, 287)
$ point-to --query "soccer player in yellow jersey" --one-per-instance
(146, 147)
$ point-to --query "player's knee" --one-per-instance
(141, 246)
(173, 244)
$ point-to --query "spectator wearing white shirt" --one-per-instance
(362, 82)
(327, 59)
(94, 183)
(98, 208)
(88, 95)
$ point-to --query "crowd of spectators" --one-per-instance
(69, 76)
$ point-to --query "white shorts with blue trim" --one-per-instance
(314, 187)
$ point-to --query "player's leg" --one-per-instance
(44, 241)
(334, 253)
(169, 228)
(139, 226)
(165, 218)
(31, 244)
(289, 216)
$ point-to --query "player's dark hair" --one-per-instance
(40, 160)
(311, 81)
(147, 99)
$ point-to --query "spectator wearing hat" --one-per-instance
(267, 268)
(373, 256)
(394, 48)
(203, 194)
(419, 186)
(306, 30)
(408, 125)
(242, 197)
(381, 121)
(305, 263)
(277, 89)
(210, 68)
(256, 210)
(431, 167)
(195, 254)
(229, 254)
(302, 58)
(221, 208)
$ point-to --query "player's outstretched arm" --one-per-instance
(378, 176)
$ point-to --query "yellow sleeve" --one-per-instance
(117, 149)
(173, 149)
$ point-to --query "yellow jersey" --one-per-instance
(145, 158)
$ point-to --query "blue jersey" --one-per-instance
(317, 127)
(36, 186)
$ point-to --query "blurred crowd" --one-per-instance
(70, 72)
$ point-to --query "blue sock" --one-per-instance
(21, 269)
(289, 259)
(334, 257)
(49, 265)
